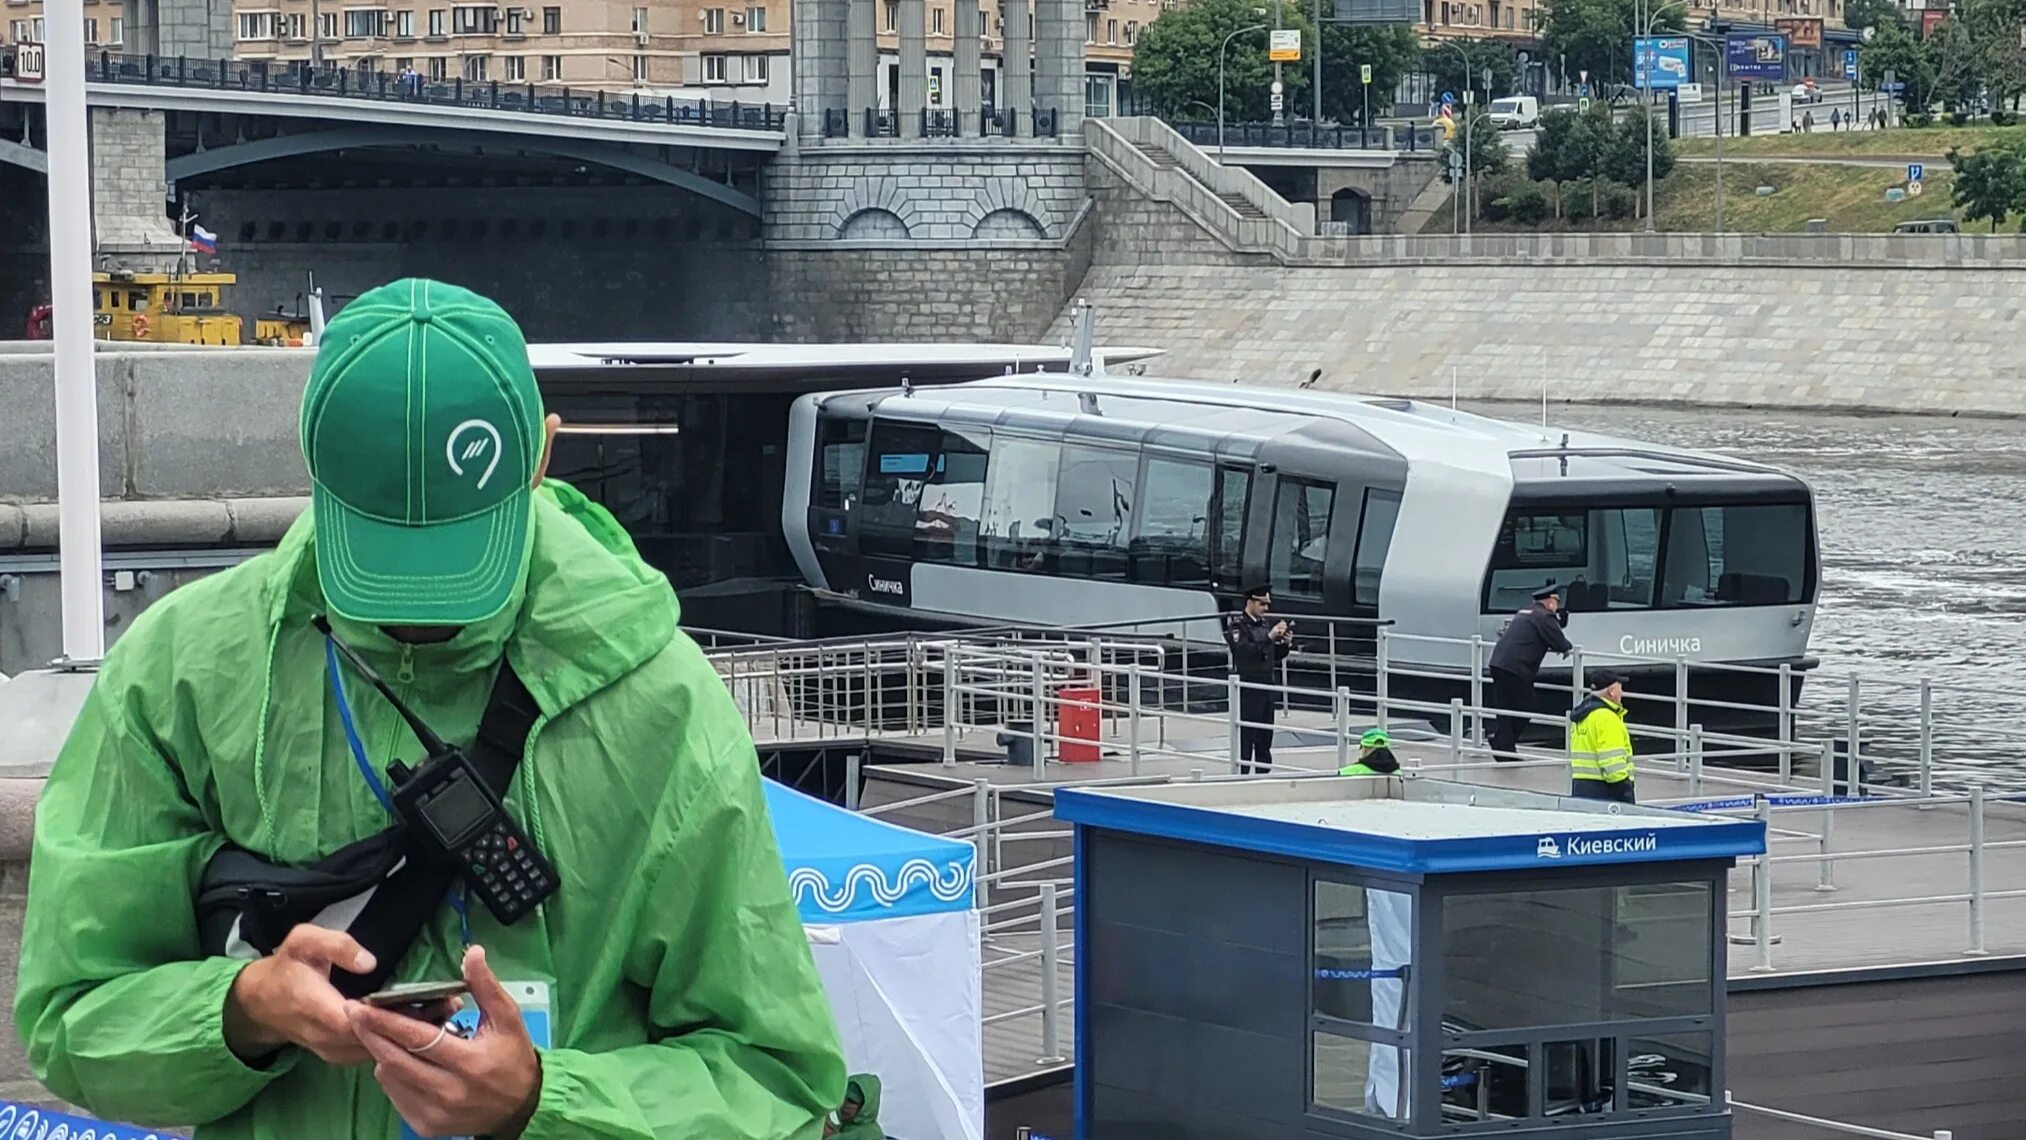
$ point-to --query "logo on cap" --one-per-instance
(474, 449)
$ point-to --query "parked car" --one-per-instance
(1927, 226)
(1516, 112)
(1807, 93)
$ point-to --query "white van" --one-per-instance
(1516, 112)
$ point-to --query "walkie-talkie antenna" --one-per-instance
(431, 743)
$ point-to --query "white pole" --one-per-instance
(70, 259)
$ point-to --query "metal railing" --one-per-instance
(1160, 718)
(1832, 1125)
(301, 78)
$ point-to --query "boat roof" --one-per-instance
(1416, 430)
(760, 363)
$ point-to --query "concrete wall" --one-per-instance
(1390, 189)
(1818, 335)
(128, 195)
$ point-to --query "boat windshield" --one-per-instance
(1654, 557)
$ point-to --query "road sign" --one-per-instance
(1583, 104)
(1284, 45)
(28, 62)
(1914, 170)
(1276, 101)
(1470, 97)
(1448, 99)
(1582, 77)
(1689, 93)
(1850, 64)
(1913, 189)
(1659, 63)
(1365, 74)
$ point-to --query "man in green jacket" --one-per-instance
(858, 1116)
(683, 1000)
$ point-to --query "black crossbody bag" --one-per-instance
(381, 890)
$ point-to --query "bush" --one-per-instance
(1958, 119)
(1919, 119)
(2003, 118)
(1616, 201)
(1527, 203)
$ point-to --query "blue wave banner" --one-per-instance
(27, 1122)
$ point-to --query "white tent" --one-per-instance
(894, 931)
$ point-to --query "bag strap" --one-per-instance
(503, 730)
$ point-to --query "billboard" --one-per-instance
(1284, 45)
(1932, 18)
(1756, 56)
(1659, 63)
(1378, 11)
(1801, 33)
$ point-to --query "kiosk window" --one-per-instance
(1363, 1078)
(1375, 537)
(1019, 516)
(946, 529)
(841, 456)
(1363, 943)
(1301, 536)
(1669, 1071)
(1576, 956)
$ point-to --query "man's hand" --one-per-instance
(1279, 631)
(287, 998)
(487, 1086)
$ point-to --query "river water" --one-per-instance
(1923, 533)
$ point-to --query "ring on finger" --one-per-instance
(441, 1031)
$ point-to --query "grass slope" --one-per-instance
(1925, 142)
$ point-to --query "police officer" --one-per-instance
(1517, 659)
(1600, 746)
(1257, 646)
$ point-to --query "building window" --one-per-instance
(439, 68)
(365, 23)
(892, 15)
(753, 69)
(756, 19)
(118, 30)
(90, 30)
(404, 64)
(473, 20)
(365, 65)
(713, 69)
(516, 21)
(936, 22)
(252, 26)
(552, 21)
(475, 68)
(1132, 31)
(639, 69)
(516, 68)
(713, 21)
(295, 26)
(639, 20)
(1111, 31)
(552, 68)
(1090, 27)
(436, 21)
(404, 24)
(327, 25)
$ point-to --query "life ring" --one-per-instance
(140, 326)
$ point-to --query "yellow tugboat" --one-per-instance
(176, 308)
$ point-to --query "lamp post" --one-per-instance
(1717, 122)
(1220, 83)
(1648, 21)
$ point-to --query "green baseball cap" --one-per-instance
(422, 426)
(1375, 738)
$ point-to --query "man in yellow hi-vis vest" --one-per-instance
(1600, 747)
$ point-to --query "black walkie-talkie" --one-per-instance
(445, 803)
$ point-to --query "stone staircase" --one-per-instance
(1242, 207)
(1228, 202)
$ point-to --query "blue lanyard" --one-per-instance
(373, 780)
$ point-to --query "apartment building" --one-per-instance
(105, 23)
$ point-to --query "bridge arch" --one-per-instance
(350, 138)
(1002, 205)
(874, 223)
(23, 155)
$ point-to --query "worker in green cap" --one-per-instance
(1375, 756)
(681, 996)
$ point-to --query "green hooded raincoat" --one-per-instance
(865, 1126)
(683, 998)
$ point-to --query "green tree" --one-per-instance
(1998, 57)
(1488, 154)
(1574, 147)
(1991, 183)
(1390, 50)
(1596, 35)
(1912, 61)
(1880, 14)
(1175, 61)
(1448, 65)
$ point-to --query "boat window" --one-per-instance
(1234, 487)
(1301, 535)
(946, 529)
(1176, 516)
(1741, 555)
(1604, 559)
(1019, 515)
(1094, 511)
(1375, 537)
(841, 462)
(137, 301)
(897, 471)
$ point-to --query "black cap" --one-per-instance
(1257, 591)
(1604, 679)
(1545, 592)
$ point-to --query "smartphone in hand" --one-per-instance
(434, 1002)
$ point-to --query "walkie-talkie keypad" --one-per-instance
(506, 871)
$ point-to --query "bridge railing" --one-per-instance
(298, 78)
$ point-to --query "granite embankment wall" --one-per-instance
(1844, 323)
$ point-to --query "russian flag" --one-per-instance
(202, 239)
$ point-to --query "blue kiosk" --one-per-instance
(1372, 956)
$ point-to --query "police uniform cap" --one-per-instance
(1545, 592)
(1257, 591)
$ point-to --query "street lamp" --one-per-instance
(1716, 124)
(1649, 21)
(1220, 82)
